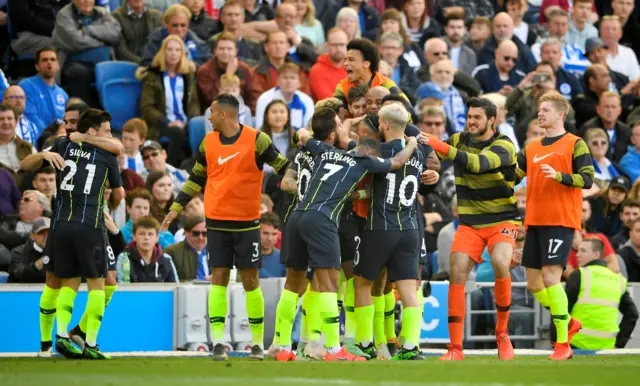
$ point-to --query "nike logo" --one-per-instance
(254, 260)
(537, 159)
(223, 160)
(552, 256)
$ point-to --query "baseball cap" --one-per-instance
(621, 182)
(150, 145)
(592, 44)
(430, 90)
(41, 224)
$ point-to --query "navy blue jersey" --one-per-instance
(82, 182)
(393, 195)
(302, 164)
(335, 175)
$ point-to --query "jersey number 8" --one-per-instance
(73, 169)
(406, 198)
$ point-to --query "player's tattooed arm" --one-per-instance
(108, 144)
(35, 161)
(400, 159)
(289, 182)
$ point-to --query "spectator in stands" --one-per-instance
(630, 253)
(501, 123)
(630, 212)
(517, 9)
(269, 230)
(176, 22)
(44, 181)
(630, 28)
(32, 23)
(368, 19)
(596, 81)
(277, 125)
(301, 49)
(46, 100)
(580, 27)
(230, 84)
(621, 58)
(155, 159)
(534, 131)
(139, 205)
(597, 52)
(190, 256)
(329, 69)
(137, 23)
(134, 133)
(169, 97)
(161, 188)
(548, 6)
(27, 260)
(232, 17)
(195, 207)
(347, 20)
(619, 134)
(433, 120)
(12, 149)
(391, 21)
(417, 23)
(160, 5)
(306, 24)
(201, 23)
(606, 207)
(391, 48)
(630, 162)
(473, 8)
(598, 142)
(25, 129)
(502, 74)
(225, 61)
(503, 31)
(15, 228)
(479, 33)
(143, 260)
(257, 12)
(80, 49)
(442, 75)
(463, 57)
(9, 193)
(300, 104)
(567, 84)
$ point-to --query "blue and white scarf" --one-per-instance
(174, 97)
(599, 175)
(27, 130)
(455, 108)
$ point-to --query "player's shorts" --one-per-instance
(78, 251)
(313, 241)
(284, 250)
(234, 249)
(423, 258)
(398, 251)
(110, 256)
(472, 241)
(547, 245)
(350, 234)
(47, 254)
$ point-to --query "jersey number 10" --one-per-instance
(402, 190)
(73, 169)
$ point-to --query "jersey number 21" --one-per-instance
(73, 169)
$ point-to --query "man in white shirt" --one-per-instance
(621, 59)
(15, 97)
(580, 27)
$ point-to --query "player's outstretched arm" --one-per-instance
(582, 165)
(108, 144)
(521, 169)
(400, 159)
(289, 182)
(35, 161)
(267, 153)
(196, 182)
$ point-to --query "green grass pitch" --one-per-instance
(483, 371)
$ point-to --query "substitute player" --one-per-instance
(313, 233)
(229, 168)
(558, 167)
(485, 168)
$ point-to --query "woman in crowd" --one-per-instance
(169, 97)
(391, 21)
(306, 24)
(348, 21)
(598, 142)
(606, 207)
(416, 21)
(116, 210)
(277, 125)
(161, 187)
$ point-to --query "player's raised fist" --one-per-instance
(168, 220)
(425, 137)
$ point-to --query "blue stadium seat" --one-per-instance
(4, 276)
(434, 262)
(114, 69)
(121, 98)
(196, 132)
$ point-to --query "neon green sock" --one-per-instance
(378, 320)
(327, 302)
(48, 301)
(543, 298)
(350, 320)
(64, 309)
(411, 324)
(286, 312)
(304, 325)
(559, 311)
(255, 312)
(95, 311)
(364, 317)
(389, 315)
(420, 307)
(217, 312)
(108, 293)
(314, 319)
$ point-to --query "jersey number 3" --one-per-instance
(73, 169)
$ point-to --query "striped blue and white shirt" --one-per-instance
(27, 130)
(301, 107)
(174, 97)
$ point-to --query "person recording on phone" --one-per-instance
(523, 101)
(567, 83)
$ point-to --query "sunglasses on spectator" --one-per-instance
(510, 59)
(599, 143)
(26, 199)
(17, 97)
(153, 154)
(198, 234)
(433, 123)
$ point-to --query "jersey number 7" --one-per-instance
(73, 169)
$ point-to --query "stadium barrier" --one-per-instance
(168, 317)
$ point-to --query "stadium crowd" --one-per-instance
(281, 57)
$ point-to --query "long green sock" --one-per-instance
(64, 309)
(108, 293)
(378, 320)
(389, 315)
(314, 319)
(327, 302)
(217, 312)
(95, 310)
(255, 312)
(304, 325)
(543, 298)
(559, 311)
(411, 324)
(286, 312)
(364, 317)
(420, 307)
(350, 321)
(47, 312)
